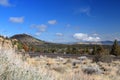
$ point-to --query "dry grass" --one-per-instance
(42, 68)
(64, 70)
(17, 67)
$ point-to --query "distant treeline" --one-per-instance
(71, 49)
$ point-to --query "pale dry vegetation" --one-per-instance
(14, 66)
(78, 69)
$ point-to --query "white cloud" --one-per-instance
(93, 39)
(80, 36)
(16, 19)
(52, 22)
(59, 34)
(5, 3)
(85, 37)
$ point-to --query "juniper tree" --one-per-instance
(100, 50)
(115, 48)
(94, 51)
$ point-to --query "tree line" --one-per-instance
(73, 49)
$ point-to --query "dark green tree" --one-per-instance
(94, 51)
(115, 48)
(68, 50)
(74, 50)
(86, 51)
(100, 50)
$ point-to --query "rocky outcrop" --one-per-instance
(7, 43)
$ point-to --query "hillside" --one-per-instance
(25, 38)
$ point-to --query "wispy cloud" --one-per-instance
(95, 34)
(52, 22)
(68, 25)
(59, 40)
(5, 3)
(16, 19)
(40, 28)
(59, 34)
(37, 33)
(110, 37)
(85, 37)
(84, 10)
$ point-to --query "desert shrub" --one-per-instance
(20, 46)
(74, 62)
(82, 58)
(92, 70)
(118, 71)
(59, 69)
(32, 49)
(13, 68)
(100, 54)
(102, 58)
(106, 58)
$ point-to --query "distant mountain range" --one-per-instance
(108, 42)
(28, 39)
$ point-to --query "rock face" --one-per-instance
(24, 38)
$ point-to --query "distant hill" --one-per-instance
(25, 38)
(99, 42)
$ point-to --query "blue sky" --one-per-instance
(61, 20)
